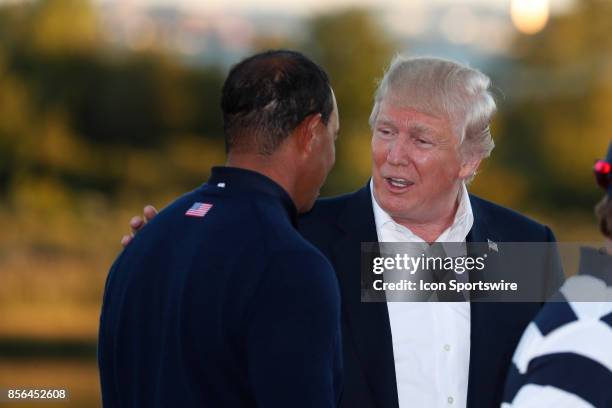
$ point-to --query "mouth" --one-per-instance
(398, 184)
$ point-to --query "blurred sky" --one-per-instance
(486, 25)
(459, 29)
(310, 6)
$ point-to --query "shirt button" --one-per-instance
(450, 400)
(447, 347)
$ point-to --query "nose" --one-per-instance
(399, 152)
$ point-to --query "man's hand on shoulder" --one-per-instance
(137, 222)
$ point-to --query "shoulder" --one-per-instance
(568, 346)
(577, 327)
(328, 214)
(329, 208)
(494, 211)
(330, 218)
(515, 226)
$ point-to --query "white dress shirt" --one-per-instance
(431, 341)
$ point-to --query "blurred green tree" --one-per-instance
(354, 49)
(558, 120)
(64, 26)
(84, 115)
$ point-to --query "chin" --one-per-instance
(388, 200)
(396, 207)
(398, 213)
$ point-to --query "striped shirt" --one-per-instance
(564, 358)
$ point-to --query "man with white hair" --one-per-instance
(430, 131)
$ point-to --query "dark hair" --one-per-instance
(266, 96)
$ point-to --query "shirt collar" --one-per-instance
(234, 178)
(457, 232)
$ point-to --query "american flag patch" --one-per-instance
(198, 209)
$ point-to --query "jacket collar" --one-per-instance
(238, 179)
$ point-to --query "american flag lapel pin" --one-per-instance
(198, 209)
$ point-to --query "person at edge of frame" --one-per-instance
(564, 359)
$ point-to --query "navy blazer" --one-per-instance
(338, 225)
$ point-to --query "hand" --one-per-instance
(137, 222)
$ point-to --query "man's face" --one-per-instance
(323, 155)
(416, 164)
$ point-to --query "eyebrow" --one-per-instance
(385, 122)
(413, 127)
(422, 128)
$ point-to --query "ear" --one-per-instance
(306, 133)
(469, 166)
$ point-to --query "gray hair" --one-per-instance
(442, 87)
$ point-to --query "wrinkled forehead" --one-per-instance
(429, 100)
